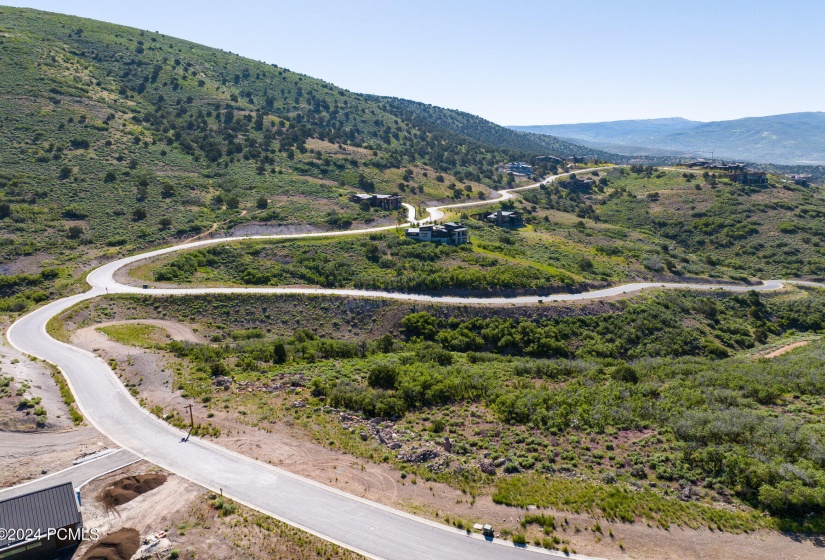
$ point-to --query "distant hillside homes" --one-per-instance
(736, 172)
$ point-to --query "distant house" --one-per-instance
(713, 166)
(548, 158)
(519, 168)
(450, 233)
(574, 183)
(748, 177)
(383, 201)
(574, 159)
(801, 179)
(502, 218)
(728, 167)
(46, 524)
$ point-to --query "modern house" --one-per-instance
(575, 159)
(451, 233)
(574, 183)
(40, 525)
(383, 201)
(519, 168)
(748, 177)
(801, 179)
(502, 218)
(713, 166)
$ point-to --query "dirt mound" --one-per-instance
(120, 545)
(127, 489)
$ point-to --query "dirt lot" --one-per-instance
(288, 447)
(26, 456)
(33, 382)
(181, 516)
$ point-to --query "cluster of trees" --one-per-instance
(274, 111)
(653, 327)
(19, 291)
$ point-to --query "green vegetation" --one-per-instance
(616, 503)
(66, 394)
(118, 139)
(18, 291)
(145, 336)
(651, 408)
(766, 231)
(655, 403)
(623, 228)
(384, 262)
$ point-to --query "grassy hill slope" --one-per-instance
(117, 139)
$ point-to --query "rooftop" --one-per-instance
(50, 508)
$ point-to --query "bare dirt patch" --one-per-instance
(127, 489)
(26, 456)
(786, 349)
(120, 545)
(182, 516)
(31, 392)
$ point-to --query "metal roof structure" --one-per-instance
(50, 508)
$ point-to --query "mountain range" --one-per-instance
(791, 139)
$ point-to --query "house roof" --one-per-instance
(50, 508)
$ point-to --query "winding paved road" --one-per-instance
(79, 475)
(372, 529)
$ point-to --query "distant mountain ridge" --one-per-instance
(793, 138)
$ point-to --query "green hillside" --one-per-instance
(470, 126)
(116, 139)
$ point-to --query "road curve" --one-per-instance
(79, 475)
(372, 529)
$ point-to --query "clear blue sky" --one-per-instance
(521, 62)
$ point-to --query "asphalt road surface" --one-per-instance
(371, 529)
(78, 475)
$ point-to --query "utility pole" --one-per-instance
(191, 421)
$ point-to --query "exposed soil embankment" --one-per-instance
(127, 489)
(120, 545)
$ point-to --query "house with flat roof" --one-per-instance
(801, 179)
(748, 177)
(574, 183)
(383, 201)
(40, 525)
(519, 168)
(502, 218)
(451, 233)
